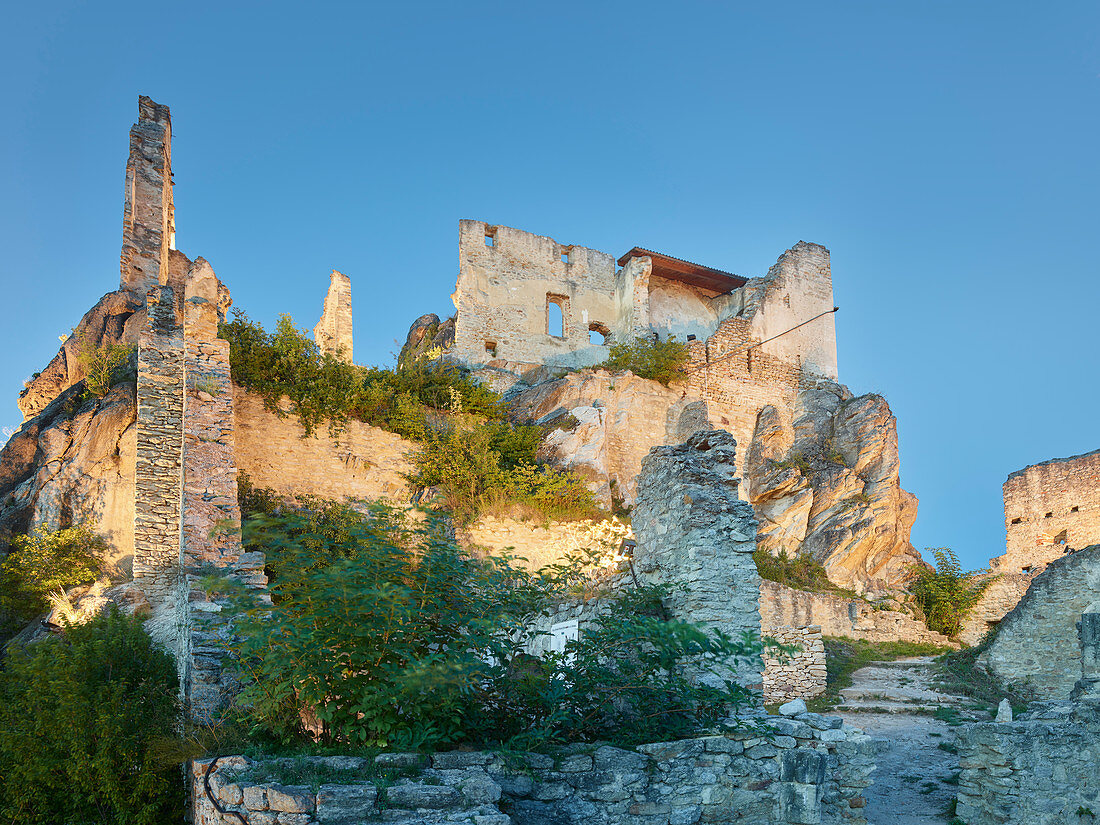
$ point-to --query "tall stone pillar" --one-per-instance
(692, 529)
(148, 227)
(333, 331)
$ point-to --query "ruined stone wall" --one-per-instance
(840, 616)
(159, 466)
(1036, 643)
(1050, 507)
(541, 543)
(505, 288)
(692, 528)
(333, 332)
(148, 216)
(1002, 594)
(797, 675)
(809, 769)
(361, 462)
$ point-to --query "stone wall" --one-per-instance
(148, 223)
(807, 769)
(333, 332)
(360, 462)
(797, 675)
(692, 528)
(543, 543)
(1003, 593)
(840, 616)
(1050, 507)
(1036, 642)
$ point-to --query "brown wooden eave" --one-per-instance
(675, 269)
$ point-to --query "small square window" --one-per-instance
(565, 256)
(491, 349)
(1074, 509)
(490, 240)
(1017, 520)
(1049, 515)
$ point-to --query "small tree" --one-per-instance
(662, 361)
(104, 365)
(84, 719)
(945, 593)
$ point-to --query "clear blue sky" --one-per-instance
(946, 152)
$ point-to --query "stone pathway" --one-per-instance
(917, 767)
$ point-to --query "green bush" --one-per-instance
(43, 562)
(105, 365)
(477, 468)
(945, 593)
(84, 719)
(388, 635)
(662, 361)
(802, 572)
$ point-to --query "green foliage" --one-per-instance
(387, 635)
(478, 467)
(946, 594)
(104, 366)
(803, 572)
(844, 656)
(44, 562)
(474, 457)
(84, 719)
(662, 361)
(323, 388)
(796, 460)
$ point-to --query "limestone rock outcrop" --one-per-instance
(608, 423)
(426, 335)
(69, 467)
(829, 484)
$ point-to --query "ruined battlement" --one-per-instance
(1050, 507)
(149, 222)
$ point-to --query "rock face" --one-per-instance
(616, 420)
(67, 467)
(427, 334)
(829, 485)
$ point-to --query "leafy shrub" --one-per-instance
(803, 572)
(384, 633)
(83, 719)
(104, 366)
(945, 593)
(477, 467)
(41, 563)
(662, 361)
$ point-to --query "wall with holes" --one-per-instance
(1049, 508)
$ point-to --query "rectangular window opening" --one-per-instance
(1074, 509)
(1017, 520)
(490, 240)
(565, 256)
(491, 349)
(1049, 515)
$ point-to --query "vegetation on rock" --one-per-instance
(86, 719)
(42, 563)
(945, 593)
(469, 452)
(662, 361)
(105, 365)
(384, 633)
(803, 572)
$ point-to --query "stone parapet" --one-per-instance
(804, 769)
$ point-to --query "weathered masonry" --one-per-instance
(1051, 509)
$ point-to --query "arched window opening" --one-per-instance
(555, 315)
(599, 334)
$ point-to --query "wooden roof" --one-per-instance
(674, 269)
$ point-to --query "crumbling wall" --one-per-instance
(691, 528)
(1050, 507)
(507, 280)
(1036, 643)
(1003, 593)
(809, 769)
(840, 616)
(360, 462)
(540, 543)
(333, 332)
(148, 222)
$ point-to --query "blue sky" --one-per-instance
(945, 152)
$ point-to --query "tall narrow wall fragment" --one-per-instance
(333, 332)
(148, 229)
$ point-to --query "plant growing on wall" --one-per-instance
(945, 593)
(662, 361)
